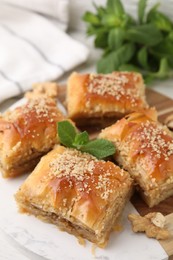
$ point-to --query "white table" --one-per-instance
(9, 249)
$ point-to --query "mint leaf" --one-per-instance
(146, 34)
(81, 139)
(100, 148)
(161, 21)
(128, 67)
(68, 136)
(115, 7)
(143, 58)
(115, 59)
(66, 133)
(141, 10)
(116, 38)
(91, 18)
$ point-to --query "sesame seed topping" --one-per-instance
(85, 171)
(151, 147)
(155, 138)
(41, 107)
(115, 84)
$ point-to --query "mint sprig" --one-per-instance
(69, 137)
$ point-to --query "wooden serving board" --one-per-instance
(164, 106)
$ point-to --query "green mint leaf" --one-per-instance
(128, 67)
(66, 133)
(115, 59)
(116, 38)
(141, 10)
(164, 50)
(101, 39)
(101, 11)
(81, 139)
(161, 21)
(146, 34)
(115, 7)
(143, 58)
(170, 36)
(91, 18)
(100, 148)
(110, 20)
(163, 71)
(68, 136)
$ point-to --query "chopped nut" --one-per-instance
(152, 224)
(169, 121)
(158, 220)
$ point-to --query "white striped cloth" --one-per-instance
(58, 10)
(33, 49)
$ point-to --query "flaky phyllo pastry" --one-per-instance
(93, 98)
(28, 131)
(145, 150)
(77, 192)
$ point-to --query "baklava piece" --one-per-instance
(77, 192)
(145, 150)
(26, 133)
(93, 98)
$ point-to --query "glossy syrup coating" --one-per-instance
(115, 94)
(27, 132)
(87, 192)
(147, 146)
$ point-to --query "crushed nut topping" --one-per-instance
(153, 224)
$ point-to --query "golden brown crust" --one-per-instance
(153, 224)
(26, 133)
(145, 149)
(97, 95)
(84, 193)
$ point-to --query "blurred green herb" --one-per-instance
(69, 137)
(144, 45)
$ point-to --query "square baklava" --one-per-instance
(145, 150)
(77, 192)
(95, 98)
(26, 133)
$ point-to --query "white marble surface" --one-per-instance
(10, 249)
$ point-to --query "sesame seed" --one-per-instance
(115, 85)
(85, 171)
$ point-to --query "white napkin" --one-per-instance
(54, 9)
(33, 49)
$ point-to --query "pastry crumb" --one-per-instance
(43, 90)
(81, 241)
(153, 224)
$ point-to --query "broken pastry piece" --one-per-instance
(43, 90)
(144, 148)
(93, 98)
(153, 224)
(77, 192)
(26, 133)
